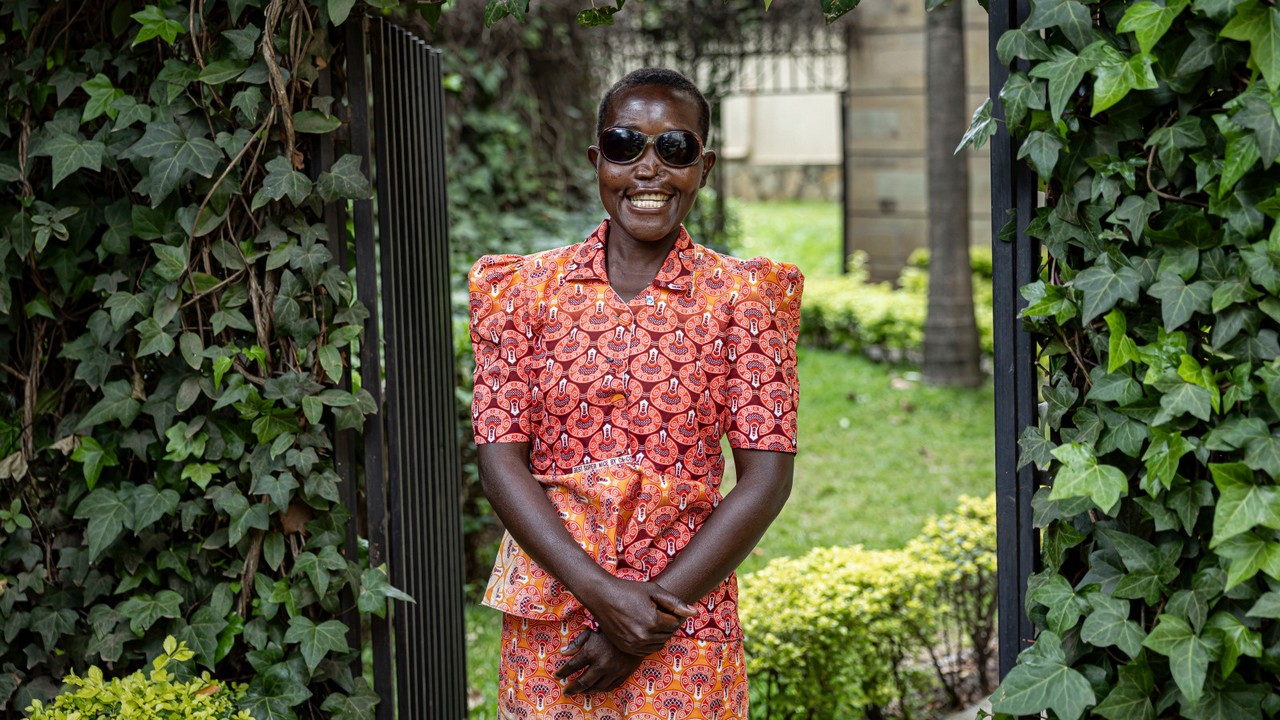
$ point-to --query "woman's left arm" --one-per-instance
(734, 527)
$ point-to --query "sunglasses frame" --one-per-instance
(649, 140)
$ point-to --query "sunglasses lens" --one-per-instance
(620, 145)
(678, 147)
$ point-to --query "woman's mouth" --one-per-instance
(649, 201)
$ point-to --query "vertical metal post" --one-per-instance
(1015, 264)
(846, 187)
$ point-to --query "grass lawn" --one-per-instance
(879, 451)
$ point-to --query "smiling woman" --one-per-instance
(607, 373)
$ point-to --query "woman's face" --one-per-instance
(650, 109)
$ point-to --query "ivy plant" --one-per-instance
(1153, 129)
(174, 334)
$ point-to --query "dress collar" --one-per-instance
(676, 272)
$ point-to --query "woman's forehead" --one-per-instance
(658, 104)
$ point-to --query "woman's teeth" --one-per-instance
(649, 201)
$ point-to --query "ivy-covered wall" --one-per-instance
(173, 331)
(1153, 129)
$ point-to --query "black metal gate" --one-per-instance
(1015, 263)
(409, 509)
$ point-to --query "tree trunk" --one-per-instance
(950, 333)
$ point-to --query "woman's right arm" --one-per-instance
(637, 617)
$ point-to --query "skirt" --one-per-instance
(687, 680)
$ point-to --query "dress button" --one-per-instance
(618, 398)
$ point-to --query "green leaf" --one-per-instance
(1179, 301)
(201, 635)
(1109, 624)
(156, 24)
(1117, 75)
(1266, 606)
(495, 10)
(1188, 655)
(282, 180)
(172, 154)
(117, 404)
(1259, 25)
(1102, 287)
(1149, 21)
(221, 71)
(359, 705)
(1164, 454)
(315, 640)
(1041, 680)
(151, 504)
(108, 513)
(1064, 73)
(981, 127)
(1237, 640)
(1068, 16)
(1173, 140)
(124, 305)
(255, 517)
(1042, 148)
(1082, 476)
(1246, 555)
(1184, 398)
(1131, 697)
(375, 590)
(1233, 701)
(315, 122)
(833, 9)
(1121, 348)
(1064, 607)
(95, 458)
(199, 473)
(70, 153)
(1242, 504)
(1019, 43)
(154, 339)
(101, 96)
(144, 610)
(1256, 114)
(339, 10)
(344, 181)
(173, 260)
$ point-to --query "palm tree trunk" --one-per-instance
(950, 333)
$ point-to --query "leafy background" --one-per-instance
(1153, 129)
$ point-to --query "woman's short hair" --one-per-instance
(665, 78)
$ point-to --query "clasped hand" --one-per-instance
(636, 619)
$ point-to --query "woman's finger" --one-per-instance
(578, 642)
(576, 663)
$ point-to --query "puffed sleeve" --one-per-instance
(501, 337)
(762, 385)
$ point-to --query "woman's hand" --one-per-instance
(637, 617)
(607, 667)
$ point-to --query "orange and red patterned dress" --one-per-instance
(623, 405)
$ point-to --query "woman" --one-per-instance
(606, 374)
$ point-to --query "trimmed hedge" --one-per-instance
(880, 320)
(845, 631)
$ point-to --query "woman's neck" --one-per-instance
(632, 265)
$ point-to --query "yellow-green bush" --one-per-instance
(828, 632)
(848, 632)
(157, 695)
(878, 318)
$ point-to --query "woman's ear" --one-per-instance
(708, 162)
(593, 157)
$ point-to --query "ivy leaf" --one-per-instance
(255, 517)
(117, 404)
(1266, 606)
(1134, 211)
(1188, 654)
(1069, 16)
(1246, 555)
(172, 154)
(1116, 75)
(94, 458)
(1064, 73)
(1102, 287)
(339, 10)
(982, 126)
(1182, 399)
(221, 71)
(1131, 697)
(1174, 140)
(495, 10)
(201, 635)
(144, 610)
(1109, 624)
(1019, 43)
(154, 339)
(1082, 476)
(315, 122)
(1237, 640)
(359, 705)
(156, 24)
(1233, 701)
(102, 94)
(344, 181)
(108, 514)
(71, 152)
(315, 640)
(1042, 680)
(1163, 455)
(151, 504)
(1256, 114)
(1242, 504)
(282, 180)
(1179, 301)
(833, 9)
(375, 590)
(1064, 607)
(1019, 94)
(1259, 25)
(1042, 148)
(1121, 348)
(1149, 22)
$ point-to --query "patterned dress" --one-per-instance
(623, 405)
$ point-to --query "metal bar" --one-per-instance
(375, 447)
(846, 188)
(1015, 263)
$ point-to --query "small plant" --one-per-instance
(13, 518)
(157, 695)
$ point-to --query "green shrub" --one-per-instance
(845, 632)
(158, 695)
(961, 544)
(829, 633)
(877, 319)
(979, 260)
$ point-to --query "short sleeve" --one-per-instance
(762, 387)
(501, 337)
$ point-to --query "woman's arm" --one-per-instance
(734, 528)
(637, 617)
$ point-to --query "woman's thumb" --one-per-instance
(668, 602)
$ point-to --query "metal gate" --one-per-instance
(409, 467)
(1015, 262)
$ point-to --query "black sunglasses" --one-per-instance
(677, 148)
